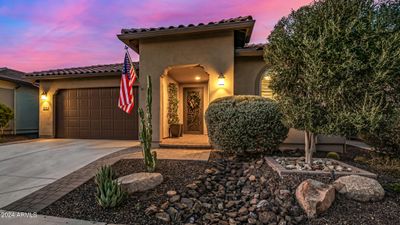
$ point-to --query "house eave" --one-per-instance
(132, 39)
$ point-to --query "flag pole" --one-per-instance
(126, 49)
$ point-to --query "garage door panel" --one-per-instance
(94, 113)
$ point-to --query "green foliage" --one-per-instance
(6, 115)
(395, 187)
(336, 67)
(103, 174)
(173, 104)
(146, 134)
(245, 124)
(387, 138)
(382, 163)
(109, 193)
(333, 155)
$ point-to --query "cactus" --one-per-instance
(146, 134)
(109, 193)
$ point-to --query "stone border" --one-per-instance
(47, 195)
(284, 172)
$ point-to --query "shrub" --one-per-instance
(109, 193)
(245, 124)
(395, 187)
(387, 137)
(333, 155)
(6, 115)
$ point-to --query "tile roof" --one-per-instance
(224, 21)
(14, 76)
(94, 70)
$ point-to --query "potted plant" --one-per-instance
(175, 129)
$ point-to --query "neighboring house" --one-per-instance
(206, 61)
(22, 97)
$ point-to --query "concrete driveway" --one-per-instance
(27, 167)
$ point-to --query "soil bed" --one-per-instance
(81, 203)
(241, 191)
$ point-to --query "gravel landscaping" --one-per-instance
(222, 192)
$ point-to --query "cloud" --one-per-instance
(56, 34)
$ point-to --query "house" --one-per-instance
(205, 61)
(22, 97)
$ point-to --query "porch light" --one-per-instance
(197, 78)
(43, 96)
(221, 80)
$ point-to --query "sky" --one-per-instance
(40, 35)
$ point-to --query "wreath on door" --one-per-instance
(194, 100)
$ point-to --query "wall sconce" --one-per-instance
(43, 96)
(221, 80)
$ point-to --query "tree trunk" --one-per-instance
(309, 147)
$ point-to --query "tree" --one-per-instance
(336, 67)
(6, 115)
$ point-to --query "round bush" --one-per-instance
(245, 124)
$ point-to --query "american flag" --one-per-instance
(126, 98)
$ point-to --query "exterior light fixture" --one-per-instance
(221, 80)
(43, 96)
(197, 78)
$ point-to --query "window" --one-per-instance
(265, 91)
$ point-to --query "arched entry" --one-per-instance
(191, 82)
(263, 83)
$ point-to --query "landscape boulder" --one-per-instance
(314, 197)
(359, 188)
(137, 182)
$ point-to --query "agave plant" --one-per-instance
(109, 192)
(104, 173)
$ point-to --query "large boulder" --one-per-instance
(140, 181)
(314, 197)
(359, 188)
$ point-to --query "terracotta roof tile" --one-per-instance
(181, 26)
(89, 70)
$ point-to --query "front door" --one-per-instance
(193, 110)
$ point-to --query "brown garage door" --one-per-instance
(93, 113)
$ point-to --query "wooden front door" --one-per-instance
(193, 110)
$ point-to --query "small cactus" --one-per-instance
(146, 134)
(108, 192)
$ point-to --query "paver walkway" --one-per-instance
(178, 154)
(358, 144)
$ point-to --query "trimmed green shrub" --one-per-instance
(108, 192)
(6, 115)
(245, 124)
(333, 155)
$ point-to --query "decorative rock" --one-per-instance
(175, 198)
(252, 178)
(314, 197)
(188, 202)
(163, 216)
(231, 214)
(266, 217)
(151, 210)
(262, 203)
(140, 181)
(243, 211)
(171, 193)
(359, 188)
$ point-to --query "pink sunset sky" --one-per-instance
(42, 35)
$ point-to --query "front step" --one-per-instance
(185, 146)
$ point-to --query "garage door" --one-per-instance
(93, 113)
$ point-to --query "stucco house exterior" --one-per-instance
(22, 97)
(205, 61)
